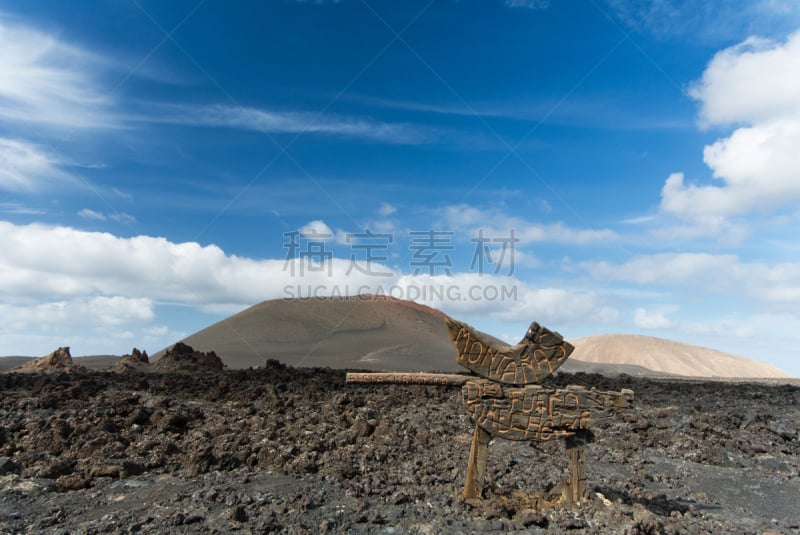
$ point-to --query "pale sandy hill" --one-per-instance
(667, 356)
(368, 332)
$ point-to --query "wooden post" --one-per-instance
(476, 466)
(573, 488)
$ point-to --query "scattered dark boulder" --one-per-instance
(182, 357)
(71, 482)
(8, 466)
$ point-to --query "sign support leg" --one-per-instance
(573, 488)
(476, 467)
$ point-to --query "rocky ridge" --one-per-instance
(183, 357)
(58, 361)
(135, 360)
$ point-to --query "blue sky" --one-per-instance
(597, 166)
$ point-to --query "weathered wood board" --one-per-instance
(411, 378)
(536, 413)
(535, 357)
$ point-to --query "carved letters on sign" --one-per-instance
(538, 354)
(535, 413)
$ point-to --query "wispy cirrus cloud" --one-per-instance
(47, 87)
(88, 213)
(16, 208)
(27, 167)
(119, 217)
(292, 122)
(529, 4)
(707, 20)
(596, 112)
(46, 82)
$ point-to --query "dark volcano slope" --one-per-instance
(366, 332)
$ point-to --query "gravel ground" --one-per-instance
(287, 450)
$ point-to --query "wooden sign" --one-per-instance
(505, 402)
(536, 413)
(525, 411)
(534, 358)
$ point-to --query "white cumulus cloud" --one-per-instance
(386, 209)
(777, 285)
(316, 228)
(653, 319)
(83, 311)
(755, 84)
(60, 277)
(497, 224)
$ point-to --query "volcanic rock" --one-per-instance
(271, 449)
(58, 361)
(137, 360)
(182, 357)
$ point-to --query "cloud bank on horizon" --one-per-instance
(157, 176)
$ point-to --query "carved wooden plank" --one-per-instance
(420, 378)
(476, 466)
(536, 413)
(535, 357)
